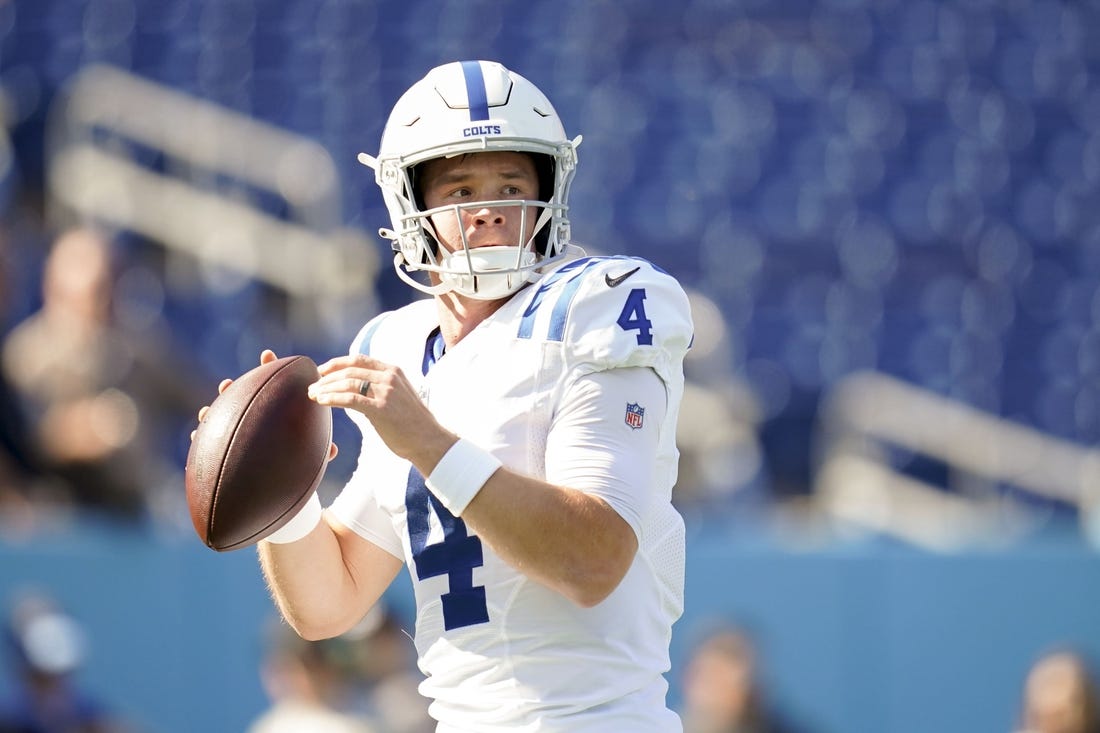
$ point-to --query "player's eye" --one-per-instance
(459, 193)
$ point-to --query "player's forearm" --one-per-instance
(565, 539)
(312, 585)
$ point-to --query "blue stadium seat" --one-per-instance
(907, 188)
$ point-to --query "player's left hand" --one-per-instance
(266, 356)
(385, 396)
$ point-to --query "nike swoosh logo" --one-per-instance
(615, 281)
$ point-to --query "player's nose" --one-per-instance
(487, 215)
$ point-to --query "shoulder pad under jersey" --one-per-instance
(387, 335)
(609, 312)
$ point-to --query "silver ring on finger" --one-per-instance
(364, 385)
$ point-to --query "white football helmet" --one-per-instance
(470, 107)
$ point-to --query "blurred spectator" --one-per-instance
(722, 474)
(365, 680)
(46, 647)
(308, 686)
(20, 468)
(385, 674)
(721, 470)
(722, 689)
(17, 462)
(102, 398)
(1060, 696)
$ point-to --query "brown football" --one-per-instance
(258, 454)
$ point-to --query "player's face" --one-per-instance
(489, 176)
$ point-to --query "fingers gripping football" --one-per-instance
(363, 384)
(383, 394)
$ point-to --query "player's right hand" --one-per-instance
(386, 397)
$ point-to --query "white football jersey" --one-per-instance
(502, 652)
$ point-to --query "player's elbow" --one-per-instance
(309, 633)
(315, 633)
(316, 621)
(316, 629)
(598, 578)
(591, 595)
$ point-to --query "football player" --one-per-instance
(518, 427)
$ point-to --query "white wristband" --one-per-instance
(301, 524)
(460, 474)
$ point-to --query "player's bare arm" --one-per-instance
(325, 583)
(566, 539)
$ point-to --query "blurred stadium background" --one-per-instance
(885, 211)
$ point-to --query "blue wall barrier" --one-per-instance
(857, 638)
(175, 631)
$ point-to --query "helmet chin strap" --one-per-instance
(399, 267)
(486, 284)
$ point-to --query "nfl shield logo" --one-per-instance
(634, 415)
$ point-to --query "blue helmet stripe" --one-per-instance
(475, 91)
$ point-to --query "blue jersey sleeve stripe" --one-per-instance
(475, 91)
(560, 315)
(527, 321)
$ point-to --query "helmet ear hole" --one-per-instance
(544, 167)
(414, 186)
(433, 243)
(542, 239)
(415, 175)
